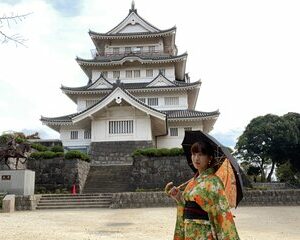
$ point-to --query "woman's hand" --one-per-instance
(173, 192)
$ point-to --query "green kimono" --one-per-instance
(207, 191)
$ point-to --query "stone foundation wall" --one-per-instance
(251, 198)
(26, 202)
(156, 172)
(115, 152)
(59, 173)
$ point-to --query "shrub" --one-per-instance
(46, 155)
(158, 152)
(39, 147)
(74, 154)
(57, 148)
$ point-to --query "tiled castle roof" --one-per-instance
(120, 58)
(186, 113)
(132, 35)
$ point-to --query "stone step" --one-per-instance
(76, 198)
(74, 203)
(78, 195)
(72, 206)
(65, 201)
(73, 200)
(113, 178)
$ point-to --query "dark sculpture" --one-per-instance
(12, 149)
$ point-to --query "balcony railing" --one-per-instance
(96, 53)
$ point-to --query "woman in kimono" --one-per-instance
(203, 212)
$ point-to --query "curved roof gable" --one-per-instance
(100, 83)
(118, 94)
(160, 81)
(133, 23)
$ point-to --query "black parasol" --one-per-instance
(220, 153)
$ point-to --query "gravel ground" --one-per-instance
(253, 223)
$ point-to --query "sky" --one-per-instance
(246, 53)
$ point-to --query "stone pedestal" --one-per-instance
(18, 182)
(8, 204)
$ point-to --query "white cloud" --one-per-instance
(247, 54)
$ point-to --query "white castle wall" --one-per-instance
(141, 125)
(175, 141)
(169, 73)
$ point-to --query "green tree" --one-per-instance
(293, 150)
(265, 141)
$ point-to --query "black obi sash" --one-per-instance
(193, 211)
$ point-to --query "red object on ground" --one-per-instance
(73, 189)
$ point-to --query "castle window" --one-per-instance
(188, 129)
(149, 73)
(137, 49)
(151, 49)
(116, 50)
(87, 134)
(89, 103)
(162, 71)
(105, 74)
(171, 101)
(74, 135)
(142, 100)
(173, 132)
(116, 74)
(127, 50)
(128, 73)
(137, 73)
(153, 101)
(121, 127)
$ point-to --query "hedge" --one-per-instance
(39, 147)
(74, 154)
(158, 152)
(46, 155)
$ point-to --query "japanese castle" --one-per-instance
(138, 93)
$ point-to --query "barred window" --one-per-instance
(153, 101)
(89, 103)
(137, 73)
(138, 49)
(128, 73)
(162, 71)
(74, 134)
(105, 74)
(188, 129)
(142, 100)
(151, 49)
(121, 127)
(87, 134)
(171, 101)
(173, 131)
(149, 73)
(116, 50)
(127, 49)
(116, 74)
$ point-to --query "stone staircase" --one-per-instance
(108, 179)
(68, 201)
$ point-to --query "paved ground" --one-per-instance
(253, 223)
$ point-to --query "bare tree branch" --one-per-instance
(16, 38)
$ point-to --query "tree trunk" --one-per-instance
(271, 172)
(262, 173)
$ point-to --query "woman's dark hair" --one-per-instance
(202, 147)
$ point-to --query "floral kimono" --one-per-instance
(206, 191)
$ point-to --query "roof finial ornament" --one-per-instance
(132, 7)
